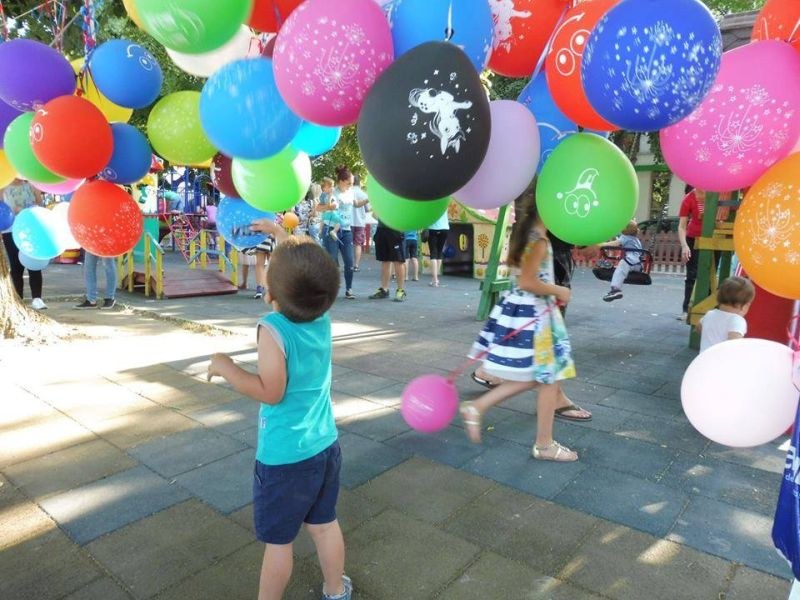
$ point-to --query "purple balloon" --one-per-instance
(7, 114)
(32, 74)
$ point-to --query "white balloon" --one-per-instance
(242, 45)
(65, 238)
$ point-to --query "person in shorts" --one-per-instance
(359, 224)
(412, 255)
(390, 250)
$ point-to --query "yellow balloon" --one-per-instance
(88, 91)
(130, 6)
(7, 173)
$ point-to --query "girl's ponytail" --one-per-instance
(526, 216)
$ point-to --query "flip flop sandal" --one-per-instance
(560, 413)
(559, 453)
(484, 382)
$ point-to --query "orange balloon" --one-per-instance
(767, 230)
(563, 64)
(290, 220)
(104, 219)
(779, 20)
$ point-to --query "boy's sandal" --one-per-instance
(484, 382)
(561, 413)
(555, 452)
(472, 422)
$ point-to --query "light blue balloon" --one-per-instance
(6, 217)
(36, 234)
(415, 22)
(132, 155)
(242, 112)
(126, 73)
(553, 124)
(234, 217)
(316, 140)
(33, 264)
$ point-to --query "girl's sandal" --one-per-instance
(555, 452)
(472, 422)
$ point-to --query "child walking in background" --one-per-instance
(631, 259)
(296, 476)
(734, 297)
(539, 355)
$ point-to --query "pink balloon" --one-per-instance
(510, 161)
(740, 393)
(748, 122)
(64, 187)
(429, 403)
(328, 55)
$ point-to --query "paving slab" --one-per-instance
(676, 433)
(363, 459)
(138, 427)
(767, 457)
(361, 384)
(645, 460)
(226, 484)
(20, 519)
(39, 436)
(643, 403)
(449, 446)
(230, 417)
(748, 584)
(192, 398)
(379, 425)
(100, 589)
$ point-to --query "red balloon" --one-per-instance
(779, 20)
(563, 64)
(522, 29)
(221, 175)
(71, 137)
(104, 219)
(269, 15)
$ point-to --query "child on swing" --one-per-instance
(540, 354)
(631, 259)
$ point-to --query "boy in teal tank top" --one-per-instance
(296, 476)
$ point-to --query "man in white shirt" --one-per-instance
(359, 223)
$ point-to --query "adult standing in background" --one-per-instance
(90, 279)
(20, 195)
(437, 237)
(359, 225)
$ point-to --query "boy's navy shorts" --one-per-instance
(286, 496)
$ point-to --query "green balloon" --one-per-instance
(402, 214)
(17, 145)
(175, 132)
(587, 190)
(273, 184)
(193, 26)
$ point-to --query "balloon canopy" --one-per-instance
(32, 73)
(273, 184)
(35, 233)
(175, 131)
(104, 219)
(126, 73)
(18, 151)
(402, 214)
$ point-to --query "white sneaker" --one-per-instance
(38, 304)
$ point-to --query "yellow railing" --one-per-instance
(153, 265)
(227, 256)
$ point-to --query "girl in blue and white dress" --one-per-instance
(540, 355)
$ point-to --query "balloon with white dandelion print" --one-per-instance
(749, 121)
(649, 63)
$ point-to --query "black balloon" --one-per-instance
(425, 125)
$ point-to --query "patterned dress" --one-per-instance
(542, 351)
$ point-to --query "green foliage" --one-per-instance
(345, 153)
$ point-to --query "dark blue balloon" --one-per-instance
(7, 114)
(234, 217)
(6, 217)
(126, 73)
(469, 22)
(650, 63)
(554, 125)
(315, 139)
(242, 112)
(131, 158)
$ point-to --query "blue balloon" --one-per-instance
(131, 158)
(33, 264)
(233, 223)
(553, 124)
(469, 22)
(126, 73)
(242, 112)
(6, 217)
(649, 64)
(315, 140)
(35, 232)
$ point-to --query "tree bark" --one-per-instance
(17, 320)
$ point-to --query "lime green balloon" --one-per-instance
(402, 214)
(587, 190)
(175, 132)
(273, 184)
(193, 26)
(17, 145)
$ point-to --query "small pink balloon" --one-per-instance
(328, 55)
(429, 403)
(64, 187)
(748, 122)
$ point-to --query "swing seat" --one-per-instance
(609, 259)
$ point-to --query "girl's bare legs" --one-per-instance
(261, 269)
(545, 415)
(245, 275)
(435, 262)
(472, 412)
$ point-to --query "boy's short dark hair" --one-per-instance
(736, 291)
(303, 279)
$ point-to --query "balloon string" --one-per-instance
(449, 31)
(794, 31)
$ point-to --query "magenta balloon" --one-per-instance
(7, 114)
(749, 120)
(32, 74)
(511, 159)
(429, 403)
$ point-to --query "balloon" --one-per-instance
(649, 64)
(18, 151)
(290, 221)
(7, 114)
(268, 15)
(766, 233)
(750, 120)
(65, 238)
(242, 112)
(554, 126)
(401, 214)
(88, 91)
(778, 21)
(35, 233)
(175, 132)
(104, 219)
(60, 189)
(126, 73)
(522, 29)
(32, 73)
(239, 46)
(130, 8)
(510, 161)
(193, 26)
(32, 264)
(221, 175)
(71, 137)
(276, 183)
(234, 217)
(324, 74)
(424, 129)
(6, 217)
(563, 65)
(740, 393)
(131, 158)
(315, 140)
(7, 172)
(587, 192)
(415, 22)
(429, 403)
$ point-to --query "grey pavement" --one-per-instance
(125, 475)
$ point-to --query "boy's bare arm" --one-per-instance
(268, 385)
